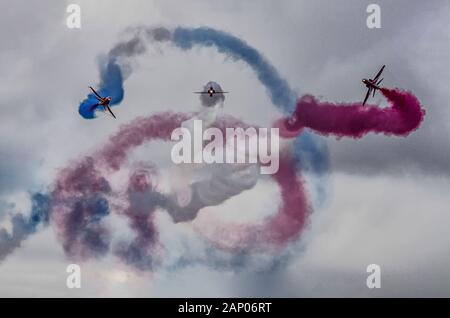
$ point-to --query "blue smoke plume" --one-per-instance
(111, 84)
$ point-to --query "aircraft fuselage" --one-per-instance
(370, 84)
(105, 101)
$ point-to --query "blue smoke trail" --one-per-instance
(278, 89)
(23, 226)
(111, 84)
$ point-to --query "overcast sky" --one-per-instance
(388, 200)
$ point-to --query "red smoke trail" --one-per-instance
(140, 130)
(403, 116)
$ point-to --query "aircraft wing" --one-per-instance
(110, 111)
(222, 92)
(201, 93)
(367, 96)
(96, 94)
(379, 73)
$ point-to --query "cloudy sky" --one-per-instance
(388, 198)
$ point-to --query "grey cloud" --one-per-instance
(323, 48)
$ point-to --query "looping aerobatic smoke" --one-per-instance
(311, 151)
(83, 197)
(80, 199)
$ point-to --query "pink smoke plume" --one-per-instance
(403, 116)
